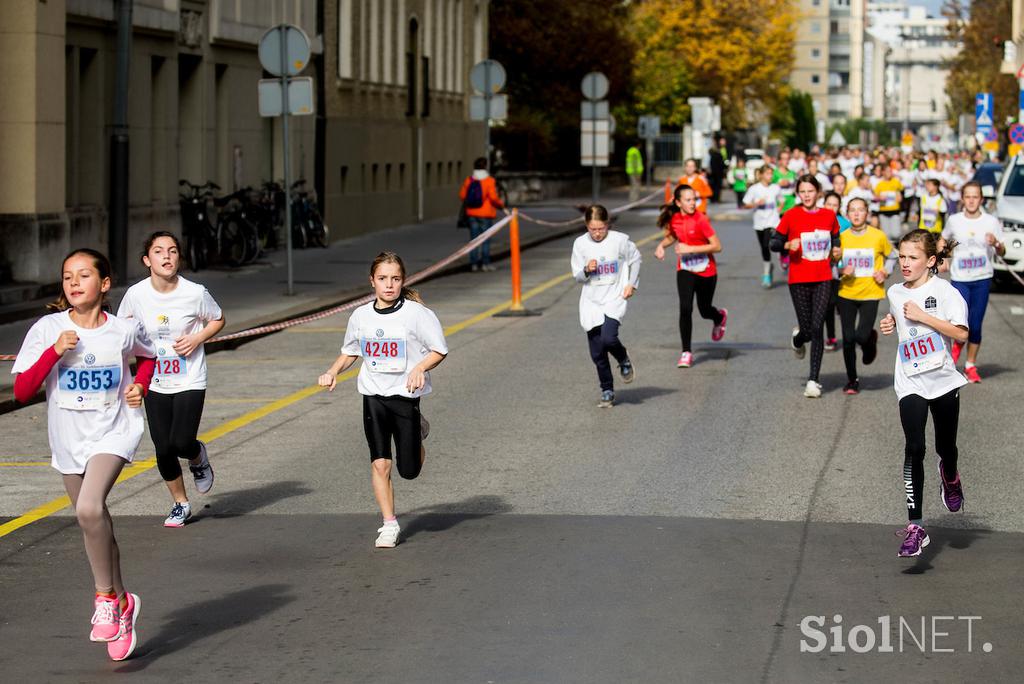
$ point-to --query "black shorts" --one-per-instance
(394, 418)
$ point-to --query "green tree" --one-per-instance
(981, 26)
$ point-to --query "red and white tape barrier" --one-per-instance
(411, 280)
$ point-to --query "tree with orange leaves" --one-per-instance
(739, 52)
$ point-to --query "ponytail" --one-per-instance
(929, 242)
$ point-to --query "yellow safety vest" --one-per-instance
(634, 162)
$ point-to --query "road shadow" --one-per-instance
(641, 394)
(198, 621)
(234, 504)
(992, 370)
(941, 538)
(444, 516)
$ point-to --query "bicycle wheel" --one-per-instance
(232, 243)
(195, 253)
(251, 239)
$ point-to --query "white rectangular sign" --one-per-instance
(588, 137)
(300, 96)
(499, 108)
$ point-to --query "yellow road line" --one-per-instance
(24, 464)
(230, 426)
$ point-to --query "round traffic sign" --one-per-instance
(488, 76)
(992, 135)
(594, 85)
(284, 47)
(1017, 133)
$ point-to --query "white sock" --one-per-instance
(767, 268)
(968, 365)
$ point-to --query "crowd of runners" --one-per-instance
(848, 232)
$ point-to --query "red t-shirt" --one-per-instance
(811, 262)
(694, 229)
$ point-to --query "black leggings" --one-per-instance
(603, 340)
(763, 236)
(688, 284)
(173, 426)
(914, 415)
(810, 301)
(830, 313)
(394, 418)
(858, 320)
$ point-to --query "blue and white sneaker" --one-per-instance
(607, 399)
(627, 371)
(180, 515)
(202, 473)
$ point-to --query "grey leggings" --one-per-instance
(88, 494)
(810, 301)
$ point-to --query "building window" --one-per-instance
(387, 178)
(815, 53)
(815, 79)
(345, 39)
(401, 176)
(833, 27)
(815, 27)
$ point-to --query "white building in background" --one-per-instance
(915, 73)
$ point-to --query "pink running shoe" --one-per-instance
(784, 262)
(124, 645)
(972, 374)
(914, 539)
(105, 620)
(718, 331)
(685, 360)
(956, 351)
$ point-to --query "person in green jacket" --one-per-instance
(635, 171)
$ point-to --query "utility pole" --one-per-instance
(117, 225)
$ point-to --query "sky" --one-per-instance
(934, 6)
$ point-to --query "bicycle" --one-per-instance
(307, 224)
(232, 240)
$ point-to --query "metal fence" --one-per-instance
(668, 149)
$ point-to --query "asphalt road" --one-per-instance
(683, 535)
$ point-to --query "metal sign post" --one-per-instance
(284, 51)
(594, 87)
(488, 78)
(649, 128)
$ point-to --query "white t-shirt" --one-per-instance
(391, 344)
(167, 316)
(766, 216)
(618, 265)
(865, 194)
(86, 413)
(908, 178)
(924, 365)
(972, 258)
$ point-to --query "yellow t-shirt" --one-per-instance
(932, 209)
(890, 192)
(867, 253)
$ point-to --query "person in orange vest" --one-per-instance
(479, 195)
(696, 180)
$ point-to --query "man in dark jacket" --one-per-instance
(717, 168)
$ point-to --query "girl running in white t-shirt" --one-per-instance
(180, 316)
(94, 420)
(607, 264)
(400, 341)
(763, 198)
(928, 314)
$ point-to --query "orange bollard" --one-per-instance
(668, 192)
(513, 243)
(517, 308)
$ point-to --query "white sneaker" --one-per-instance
(179, 515)
(812, 390)
(202, 473)
(388, 537)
